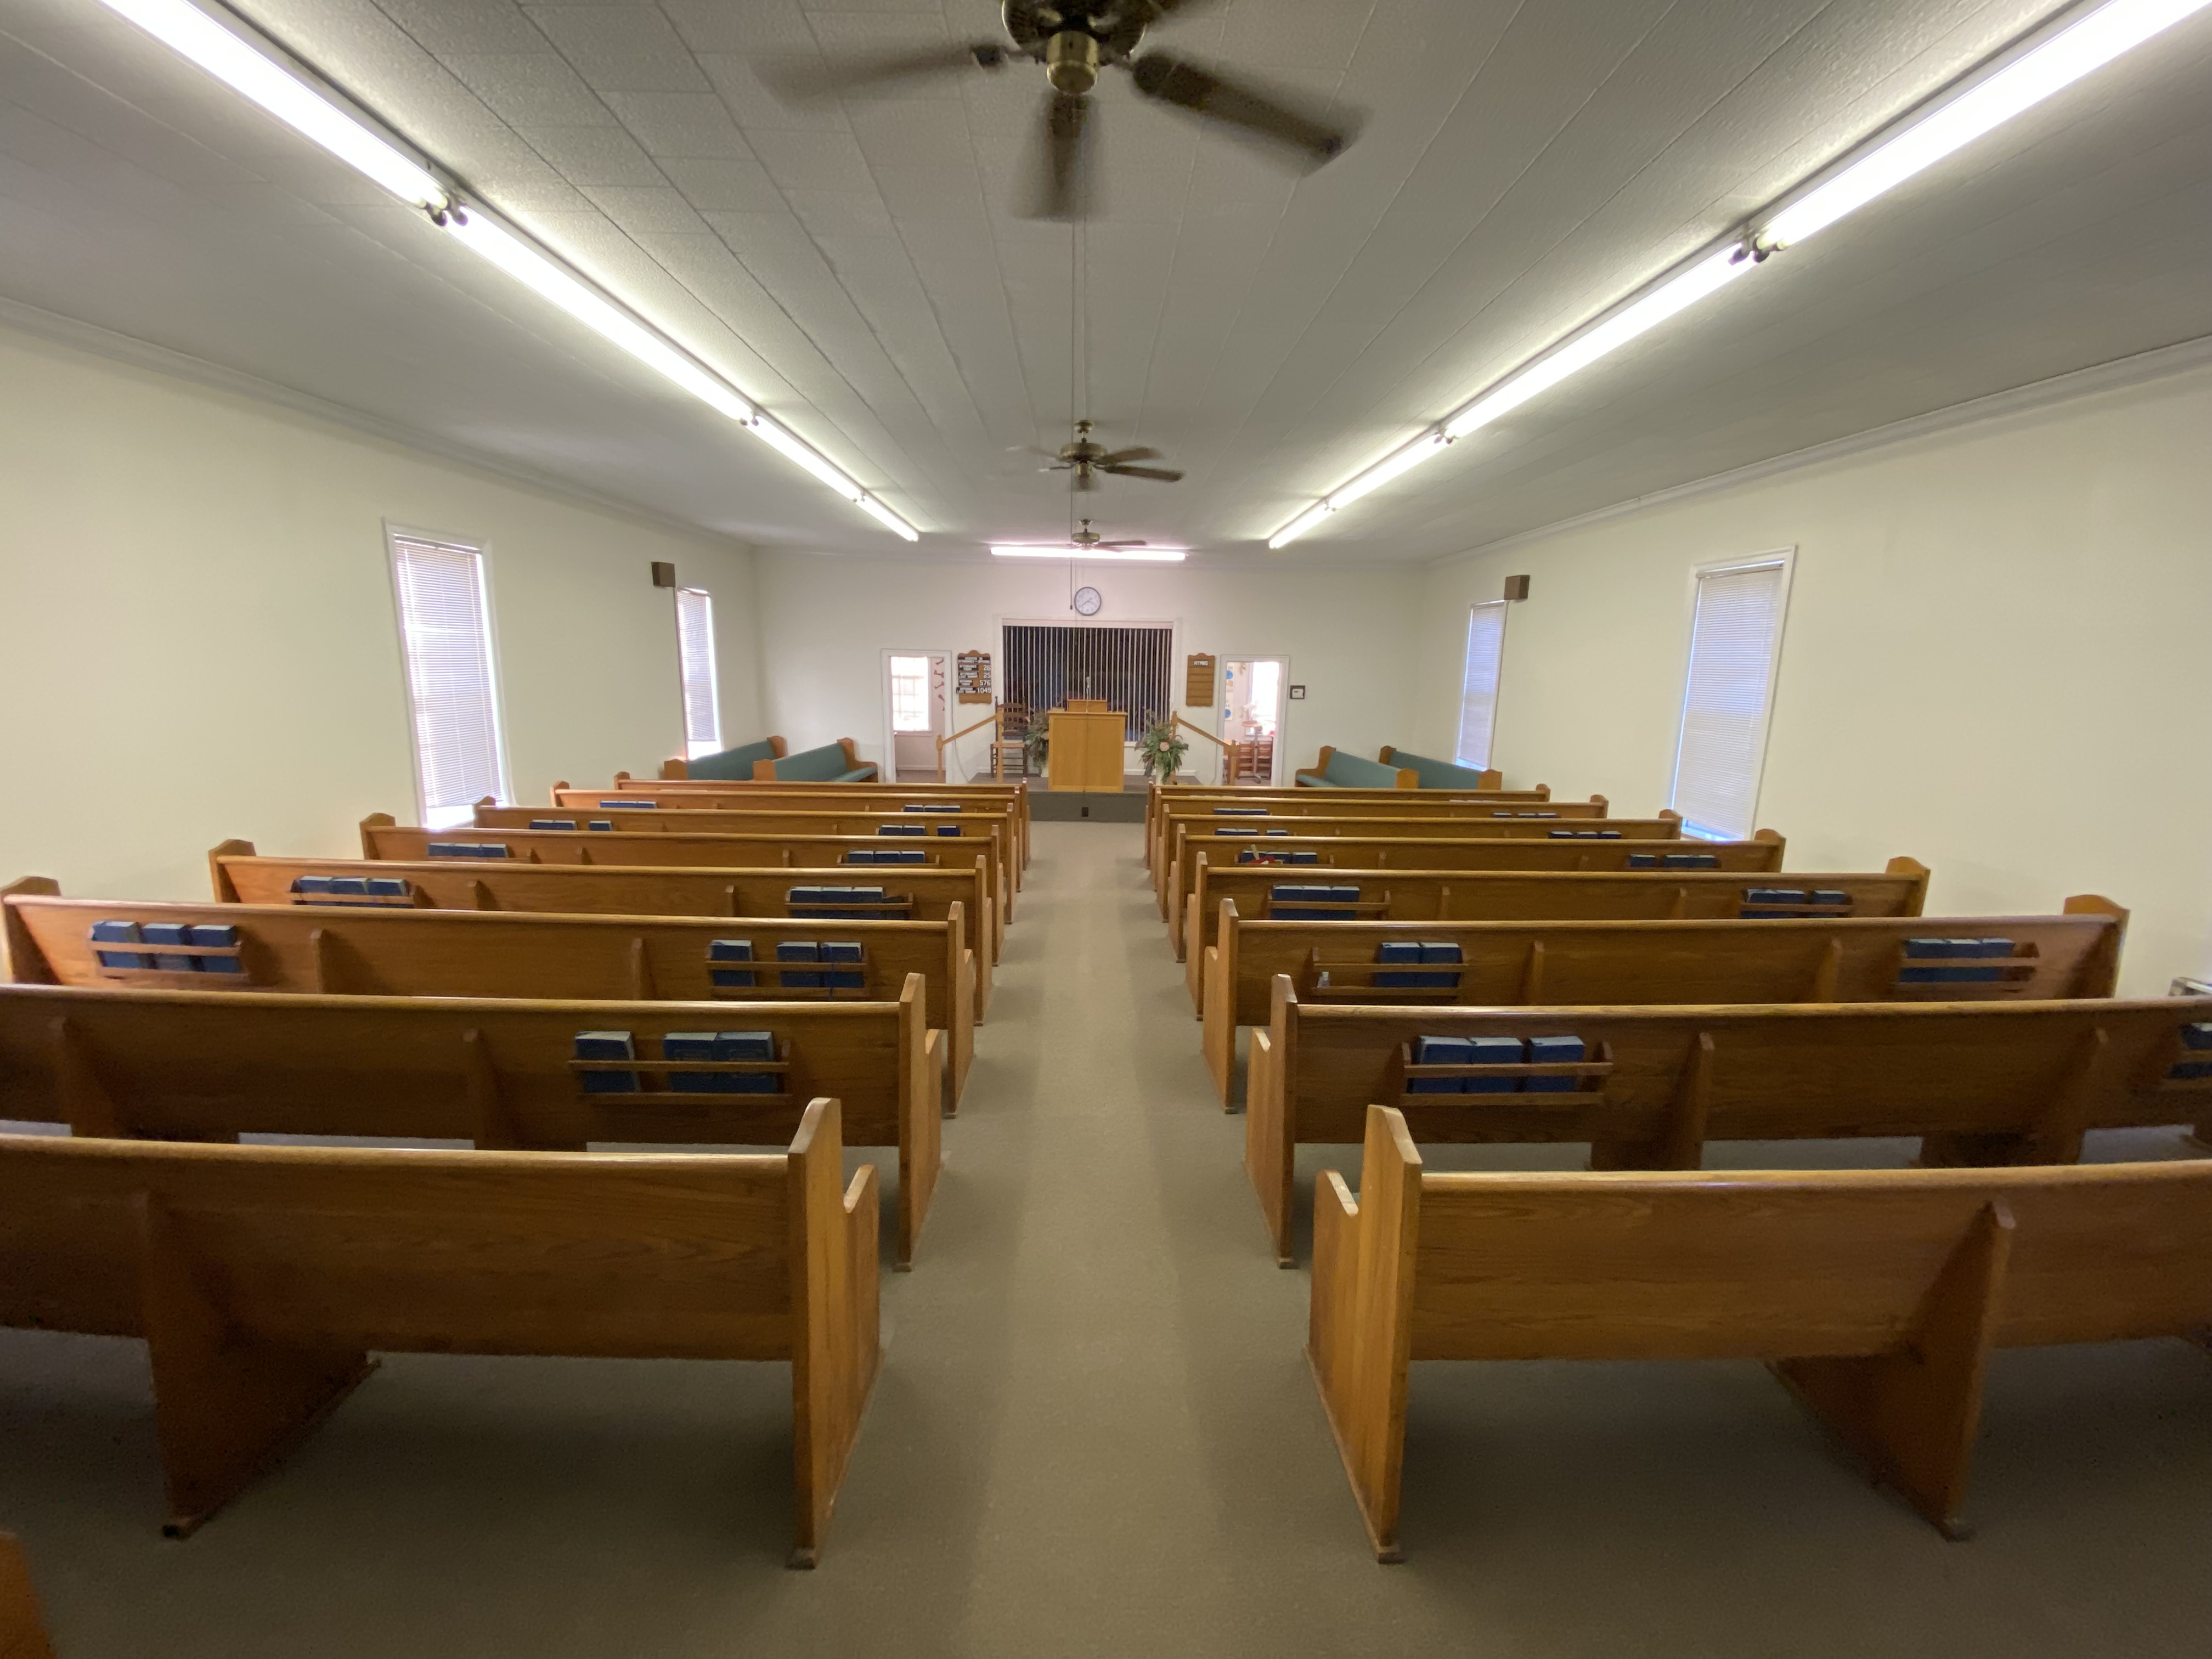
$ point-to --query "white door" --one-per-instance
(915, 692)
(1252, 719)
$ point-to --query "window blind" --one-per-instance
(695, 651)
(1718, 758)
(1128, 667)
(445, 631)
(1478, 691)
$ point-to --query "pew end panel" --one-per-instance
(921, 1109)
(24, 962)
(22, 1627)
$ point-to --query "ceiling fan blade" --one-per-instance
(1166, 474)
(800, 81)
(1117, 456)
(1112, 547)
(1063, 190)
(1179, 82)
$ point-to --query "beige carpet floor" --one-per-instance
(1094, 1434)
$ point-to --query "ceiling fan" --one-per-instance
(1086, 459)
(1074, 40)
(1087, 539)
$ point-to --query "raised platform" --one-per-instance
(1126, 806)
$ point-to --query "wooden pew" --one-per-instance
(261, 1277)
(1876, 1297)
(1530, 895)
(1343, 860)
(843, 796)
(1186, 837)
(383, 839)
(1163, 798)
(1778, 956)
(23, 1631)
(1977, 1082)
(1006, 809)
(367, 950)
(1225, 811)
(242, 877)
(503, 1074)
(930, 831)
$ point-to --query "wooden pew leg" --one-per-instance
(227, 1403)
(1912, 1414)
(835, 1332)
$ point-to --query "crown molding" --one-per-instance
(2160, 363)
(90, 337)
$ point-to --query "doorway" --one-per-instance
(1252, 717)
(915, 706)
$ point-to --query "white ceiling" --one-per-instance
(859, 270)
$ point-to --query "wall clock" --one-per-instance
(1087, 601)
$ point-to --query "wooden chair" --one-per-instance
(23, 1630)
(1901, 890)
(260, 1278)
(1777, 955)
(1976, 1082)
(506, 1075)
(369, 951)
(243, 877)
(1875, 1296)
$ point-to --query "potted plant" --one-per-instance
(1037, 744)
(1161, 751)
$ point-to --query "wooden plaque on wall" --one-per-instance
(1198, 682)
(972, 677)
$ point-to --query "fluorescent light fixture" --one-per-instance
(284, 96)
(1094, 555)
(2064, 58)
(891, 520)
(2071, 54)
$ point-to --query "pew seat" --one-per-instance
(833, 762)
(1876, 1297)
(262, 1278)
(1335, 769)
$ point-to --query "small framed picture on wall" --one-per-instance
(1297, 693)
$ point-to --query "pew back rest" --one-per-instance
(674, 1256)
(833, 762)
(1436, 774)
(737, 762)
(1335, 769)
(1774, 1266)
(767, 819)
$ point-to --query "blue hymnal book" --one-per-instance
(1689, 860)
(1953, 947)
(208, 934)
(122, 932)
(1492, 1051)
(814, 898)
(730, 950)
(1552, 1051)
(1275, 832)
(1394, 951)
(637, 805)
(1644, 861)
(446, 849)
(929, 809)
(492, 849)
(168, 932)
(1240, 811)
(600, 824)
(903, 855)
(606, 1045)
(749, 1045)
(834, 951)
(1439, 1051)
(388, 887)
(860, 855)
(311, 885)
(1543, 815)
(1830, 897)
(1767, 896)
(1282, 893)
(799, 951)
(1433, 951)
(953, 830)
(552, 823)
(1224, 829)
(902, 830)
(351, 886)
(468, 849)
(695, 1045)
(2195, 1035)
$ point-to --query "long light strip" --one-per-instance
(239, 65)
(2075, 51)
(1096, 555)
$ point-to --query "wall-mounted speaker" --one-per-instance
(664, 574)
(1517, 587)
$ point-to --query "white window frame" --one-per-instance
(1505, 610)
(893, 677)
(394, 535)
(1786, 559)
(694, 745)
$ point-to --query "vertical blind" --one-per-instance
(695, 651)
(1127, 666)
(1723, 747)
(444, 630)
(1478, 691)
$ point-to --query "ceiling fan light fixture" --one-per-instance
(1071, 62)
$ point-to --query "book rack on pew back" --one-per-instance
(1875, 1296)
(374, 952)
(1161, 800)
(506, 1073)
(841, 797)
(2075, 953)
(1008, 807)
(1976, 1082)
(261, 1277)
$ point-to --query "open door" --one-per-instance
(916, 706)
(1252, 717)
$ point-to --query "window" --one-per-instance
(910, 694)
(1478, 691)
(445, 635)
(695, 651)
(1128, 667)
(1735, 641)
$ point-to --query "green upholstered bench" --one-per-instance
(1439, 775)
(729, 765)
(1337, 770)
(833, 762)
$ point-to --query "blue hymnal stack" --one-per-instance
(796, 950)
(1953, 947)
(606, 1045)
(1393, 952)
(1644, 861)
(205, 935)
(1768, 895)
(638, 806)
(118, 932)
(2194, 1036)
(1552, 1051)
(1223, 830)
(902, 830)
(1275, 832)
(730, 950)
(1466, 1051)
(720, 1046)
(600, 824)
(1282, 894)
(1240, 811)
(1831, 898)
(929, 809)
(948, 830)
(893, 855)
(1428, 952)
(1585, 835)
(814, 898)
(1289, 855)
(836, 950)
(1688, 861)
(552, 823)
(349, 886)
(389, 887)
(468, 849)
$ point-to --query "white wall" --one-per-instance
(826, 619)
(200, 640)
(1996, 660)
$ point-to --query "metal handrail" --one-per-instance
(997, 765)
(1201, 731)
